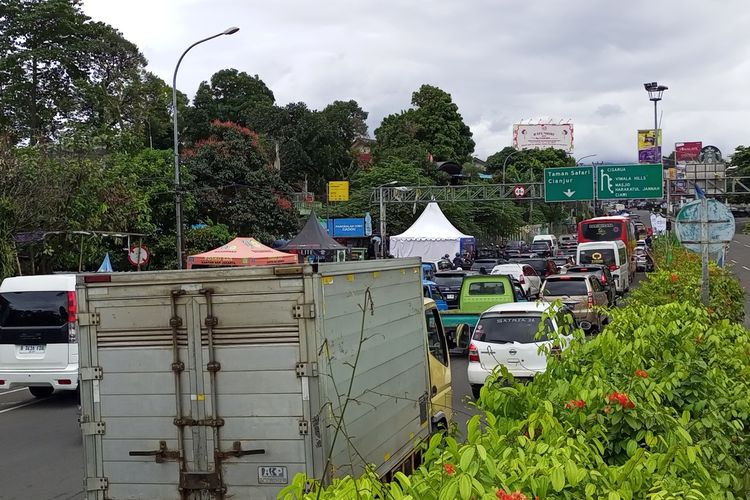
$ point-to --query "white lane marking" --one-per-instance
(21, 406)
(746, 268)
(733, 261)
(745, 244)
(11, 392)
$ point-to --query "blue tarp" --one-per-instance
(106, 266)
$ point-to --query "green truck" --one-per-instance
(478, 293)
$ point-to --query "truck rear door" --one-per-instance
(191, 390)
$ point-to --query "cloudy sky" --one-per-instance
(502, 61)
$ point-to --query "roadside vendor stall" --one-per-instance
(313, 244)
(240, 252)
(431, 237)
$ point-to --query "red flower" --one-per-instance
(622, 399)
(674, 277)
(516, 495)
(449, 469)
(641, 373)
(575, 403)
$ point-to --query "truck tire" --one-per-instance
(41, 392)
(475, 388)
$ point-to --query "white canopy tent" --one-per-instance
(431, 237)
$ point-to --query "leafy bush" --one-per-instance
(678, 278)
(654, 407)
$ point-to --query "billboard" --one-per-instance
(646, 152)
(348, 227)
(543, 136)
(687, 151)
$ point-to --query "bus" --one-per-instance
(610, 229)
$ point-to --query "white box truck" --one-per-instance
(225, 383)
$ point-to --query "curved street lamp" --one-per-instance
(578, 161)
(177, 185)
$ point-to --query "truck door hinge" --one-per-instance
(303, 311)
(306, 369)
(304, 427)
(91, 373)
(88, 319)
(96, 483)
(93, 428)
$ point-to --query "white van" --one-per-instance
(613, 254)
(549, 238)
(38, 336)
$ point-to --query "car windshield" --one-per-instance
(449, 280)
(540, 245)
(503, 329)
(560, 287)
(484, 263)
(514, 244)
(560, 262)
(487, 288)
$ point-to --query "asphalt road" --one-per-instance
(738, 258)
(40, 445)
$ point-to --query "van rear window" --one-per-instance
(33, 309)
(493, 288)
(506, 329)
(566, 286)
(604, 256)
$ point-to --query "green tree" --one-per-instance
(58, 68)
(234, 96)
(235, 186)
(433, 126)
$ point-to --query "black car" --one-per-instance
(519, 245)
(449, 283)
(603, 274)
(541, 248)
(486, 265)
(543, 266)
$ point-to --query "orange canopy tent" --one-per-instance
(241, 252)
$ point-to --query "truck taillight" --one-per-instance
(591, 299)
(603, 279)
(473, 354)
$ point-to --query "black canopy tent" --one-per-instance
(314, 241)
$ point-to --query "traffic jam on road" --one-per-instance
(166, 366)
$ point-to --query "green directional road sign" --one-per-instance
(622, 182)
(569, 184)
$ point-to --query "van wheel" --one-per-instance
(41, 392)
(475, 388)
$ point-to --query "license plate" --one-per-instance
(451, 296)
(31, 349)
(272, 474)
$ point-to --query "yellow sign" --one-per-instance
(646, 139)
(338, 191)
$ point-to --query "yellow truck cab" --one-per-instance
(439, 362)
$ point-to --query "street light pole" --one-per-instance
(177, 183)
(578, 161)
(655, 93)
(382, 217)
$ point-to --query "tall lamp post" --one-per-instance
(655, 93)
(177, 183)
(578, 161)
(382, 217)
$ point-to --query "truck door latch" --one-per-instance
(161, 455)
(236, 452)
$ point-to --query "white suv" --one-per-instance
(506, 335)
(38, 336)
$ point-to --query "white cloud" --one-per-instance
(502, 61)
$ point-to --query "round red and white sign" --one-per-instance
(519, 191)
(139, 255)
